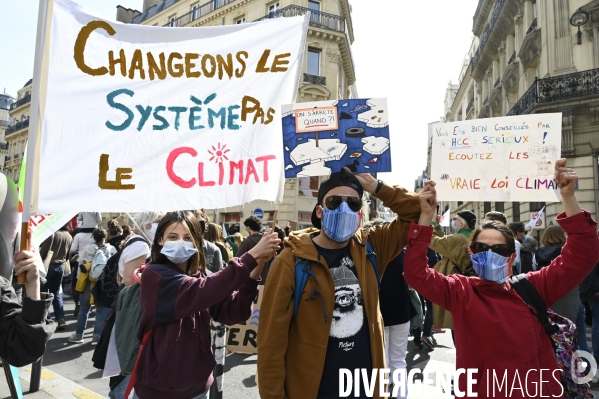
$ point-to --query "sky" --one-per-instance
(405, 50)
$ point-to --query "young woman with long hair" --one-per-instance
(496, 333)
(178, 300)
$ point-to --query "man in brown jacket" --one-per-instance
(338, 323)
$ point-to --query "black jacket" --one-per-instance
(546, 255)
(395, 304)
(24, 329)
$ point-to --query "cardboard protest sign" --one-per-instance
(497, 159)
(163, 118)
(243, 337)
(322, 137)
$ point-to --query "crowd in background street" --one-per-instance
(325, 288)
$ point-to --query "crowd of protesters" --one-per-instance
(369, 288)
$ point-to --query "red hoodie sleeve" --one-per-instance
(579, 256)
(167, 295)
(442, 290)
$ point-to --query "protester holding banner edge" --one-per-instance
(491, 307)
(295, 359)
(178, 300)
(24, 329)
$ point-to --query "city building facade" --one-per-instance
(528, 57)
(5, 122)
(328, 74)
(16, 134)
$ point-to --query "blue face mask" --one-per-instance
(341, 223)
(491, 266)
(178, 251)
(453, 226)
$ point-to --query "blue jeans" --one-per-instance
(119, 391)
(594, 303)
(581, 327)
(86, 306)
(101, 313)
(53, 283)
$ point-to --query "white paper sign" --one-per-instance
(147, 118)
(43, 226)
(497, 159)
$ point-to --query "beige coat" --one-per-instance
(454, 250)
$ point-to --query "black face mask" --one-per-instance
(203, 225)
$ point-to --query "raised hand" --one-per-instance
(267, 246)
(428, 203)
(566, 180)
(366, 180)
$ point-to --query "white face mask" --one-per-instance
(152, 232)
(178, 251)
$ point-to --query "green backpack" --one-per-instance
(128, 316)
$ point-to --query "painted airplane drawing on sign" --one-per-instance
(322, 137)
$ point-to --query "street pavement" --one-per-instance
(68, 370)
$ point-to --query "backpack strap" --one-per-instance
(530, 295)
(302, 273)
(371, 255)
(133, 377)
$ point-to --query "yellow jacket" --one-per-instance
(291, 353)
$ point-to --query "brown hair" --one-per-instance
(500, 227)
(212, 234)
(553, 235)
(498, 216)
(197, 262)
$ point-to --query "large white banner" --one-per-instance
(497, 159)
(147, 118)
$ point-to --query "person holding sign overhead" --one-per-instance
(485, 309)
(337, 322)
(178, 300)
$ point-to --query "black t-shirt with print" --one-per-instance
(349, 340)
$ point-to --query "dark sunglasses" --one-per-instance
(499, 249)
(333, 202)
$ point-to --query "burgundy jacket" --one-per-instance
(495, 331)
(177, 360)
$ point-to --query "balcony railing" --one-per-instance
(497, 83)
(4, 123)
(470, 106)
(15, 156)
(558, 88)
(512, 58)
(315, 79)
(198, 12)
(317, 18)
(4, 146)
(20, 102)
(486, 33)
(533, 26)
(17, 126)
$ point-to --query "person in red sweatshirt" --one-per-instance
(495, 331)
(178, 300)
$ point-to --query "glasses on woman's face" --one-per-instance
(500, 249)
(333, 202)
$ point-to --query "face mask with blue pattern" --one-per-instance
(340, 224)
(491, 266)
